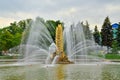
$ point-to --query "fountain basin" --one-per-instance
(93, 71)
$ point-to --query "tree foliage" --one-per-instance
(96, 35)
(6, 40)
(11, 36)
(106, 33)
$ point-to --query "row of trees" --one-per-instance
(11, 36)
(105, 36)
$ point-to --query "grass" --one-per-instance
(8, 57)
(107, 56)
(112, 56)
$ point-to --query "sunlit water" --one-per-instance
(61, 72)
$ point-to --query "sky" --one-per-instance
(68, 11)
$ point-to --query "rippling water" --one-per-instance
(61, 72)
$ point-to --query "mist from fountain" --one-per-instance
(79, 48)
(37, 46)
(73, 37)
(40, 46)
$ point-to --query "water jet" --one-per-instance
(70, 45)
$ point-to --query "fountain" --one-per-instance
(70, 45)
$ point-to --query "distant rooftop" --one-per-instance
(115, 25)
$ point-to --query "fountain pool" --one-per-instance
(61, 72)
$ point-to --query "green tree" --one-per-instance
(6, 40)
(11, 36)
(106, 33)
(96, 35)
(14, 28)
(17, 39)
(22, 24)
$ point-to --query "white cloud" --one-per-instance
(112, 8)
(22, 15)
(67, 12)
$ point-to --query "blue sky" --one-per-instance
(68, 11)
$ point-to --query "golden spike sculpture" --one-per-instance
(60, 46)
(59, 40)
